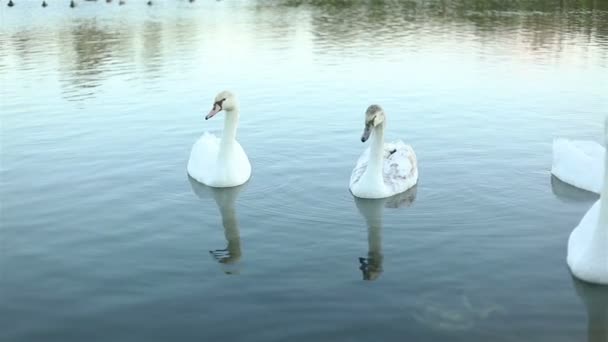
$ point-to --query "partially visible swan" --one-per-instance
(225, 198)
(587, 254)
(579, 163)
(221, 162)
(372, 211)
(595, 298)
(382, 170)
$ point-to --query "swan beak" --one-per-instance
(216, 109)
(366, 133)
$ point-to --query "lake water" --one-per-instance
(105, 238)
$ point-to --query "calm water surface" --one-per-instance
(105, 238)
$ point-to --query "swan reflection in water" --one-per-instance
(595, 298)
(372, 211)
(225, 198)
(568, 193)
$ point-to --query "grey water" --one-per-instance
(103, 236)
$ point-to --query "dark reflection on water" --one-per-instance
(442, 7)
(372, 211)
(543, 22)
(595, 299)
(569, 193)
(399, 25)
(343, 28)
(152, 48)
(94, 47)
(225, 199)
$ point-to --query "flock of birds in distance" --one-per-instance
(73, 3)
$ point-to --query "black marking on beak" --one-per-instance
(219, 103)
(366, 132)
(216, 104)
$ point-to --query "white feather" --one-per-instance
(587, 254)
(579, 163)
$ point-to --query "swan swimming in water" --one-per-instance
(382, 170)
(587, 254)
(579, 163)
(221, 162)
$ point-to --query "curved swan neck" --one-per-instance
(603, 221)
(231, 122)
(230, 222)
(374, 235)
(231, 226)
(376, 151)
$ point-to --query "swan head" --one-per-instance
(374, 116)
(223, 101)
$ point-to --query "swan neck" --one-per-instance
(604, 195)
(374, 235)
(374, 252)
(377, 151)
(230, 222)
(231, 122)
(226, 203)
(231, 230)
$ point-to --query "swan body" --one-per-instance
(587, 254)
(579, 163)
(220, 162)
(383, 169)
(588, 247)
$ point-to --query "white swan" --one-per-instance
(587, 254)
(579, 163)
(221, 162)
(383, 170)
